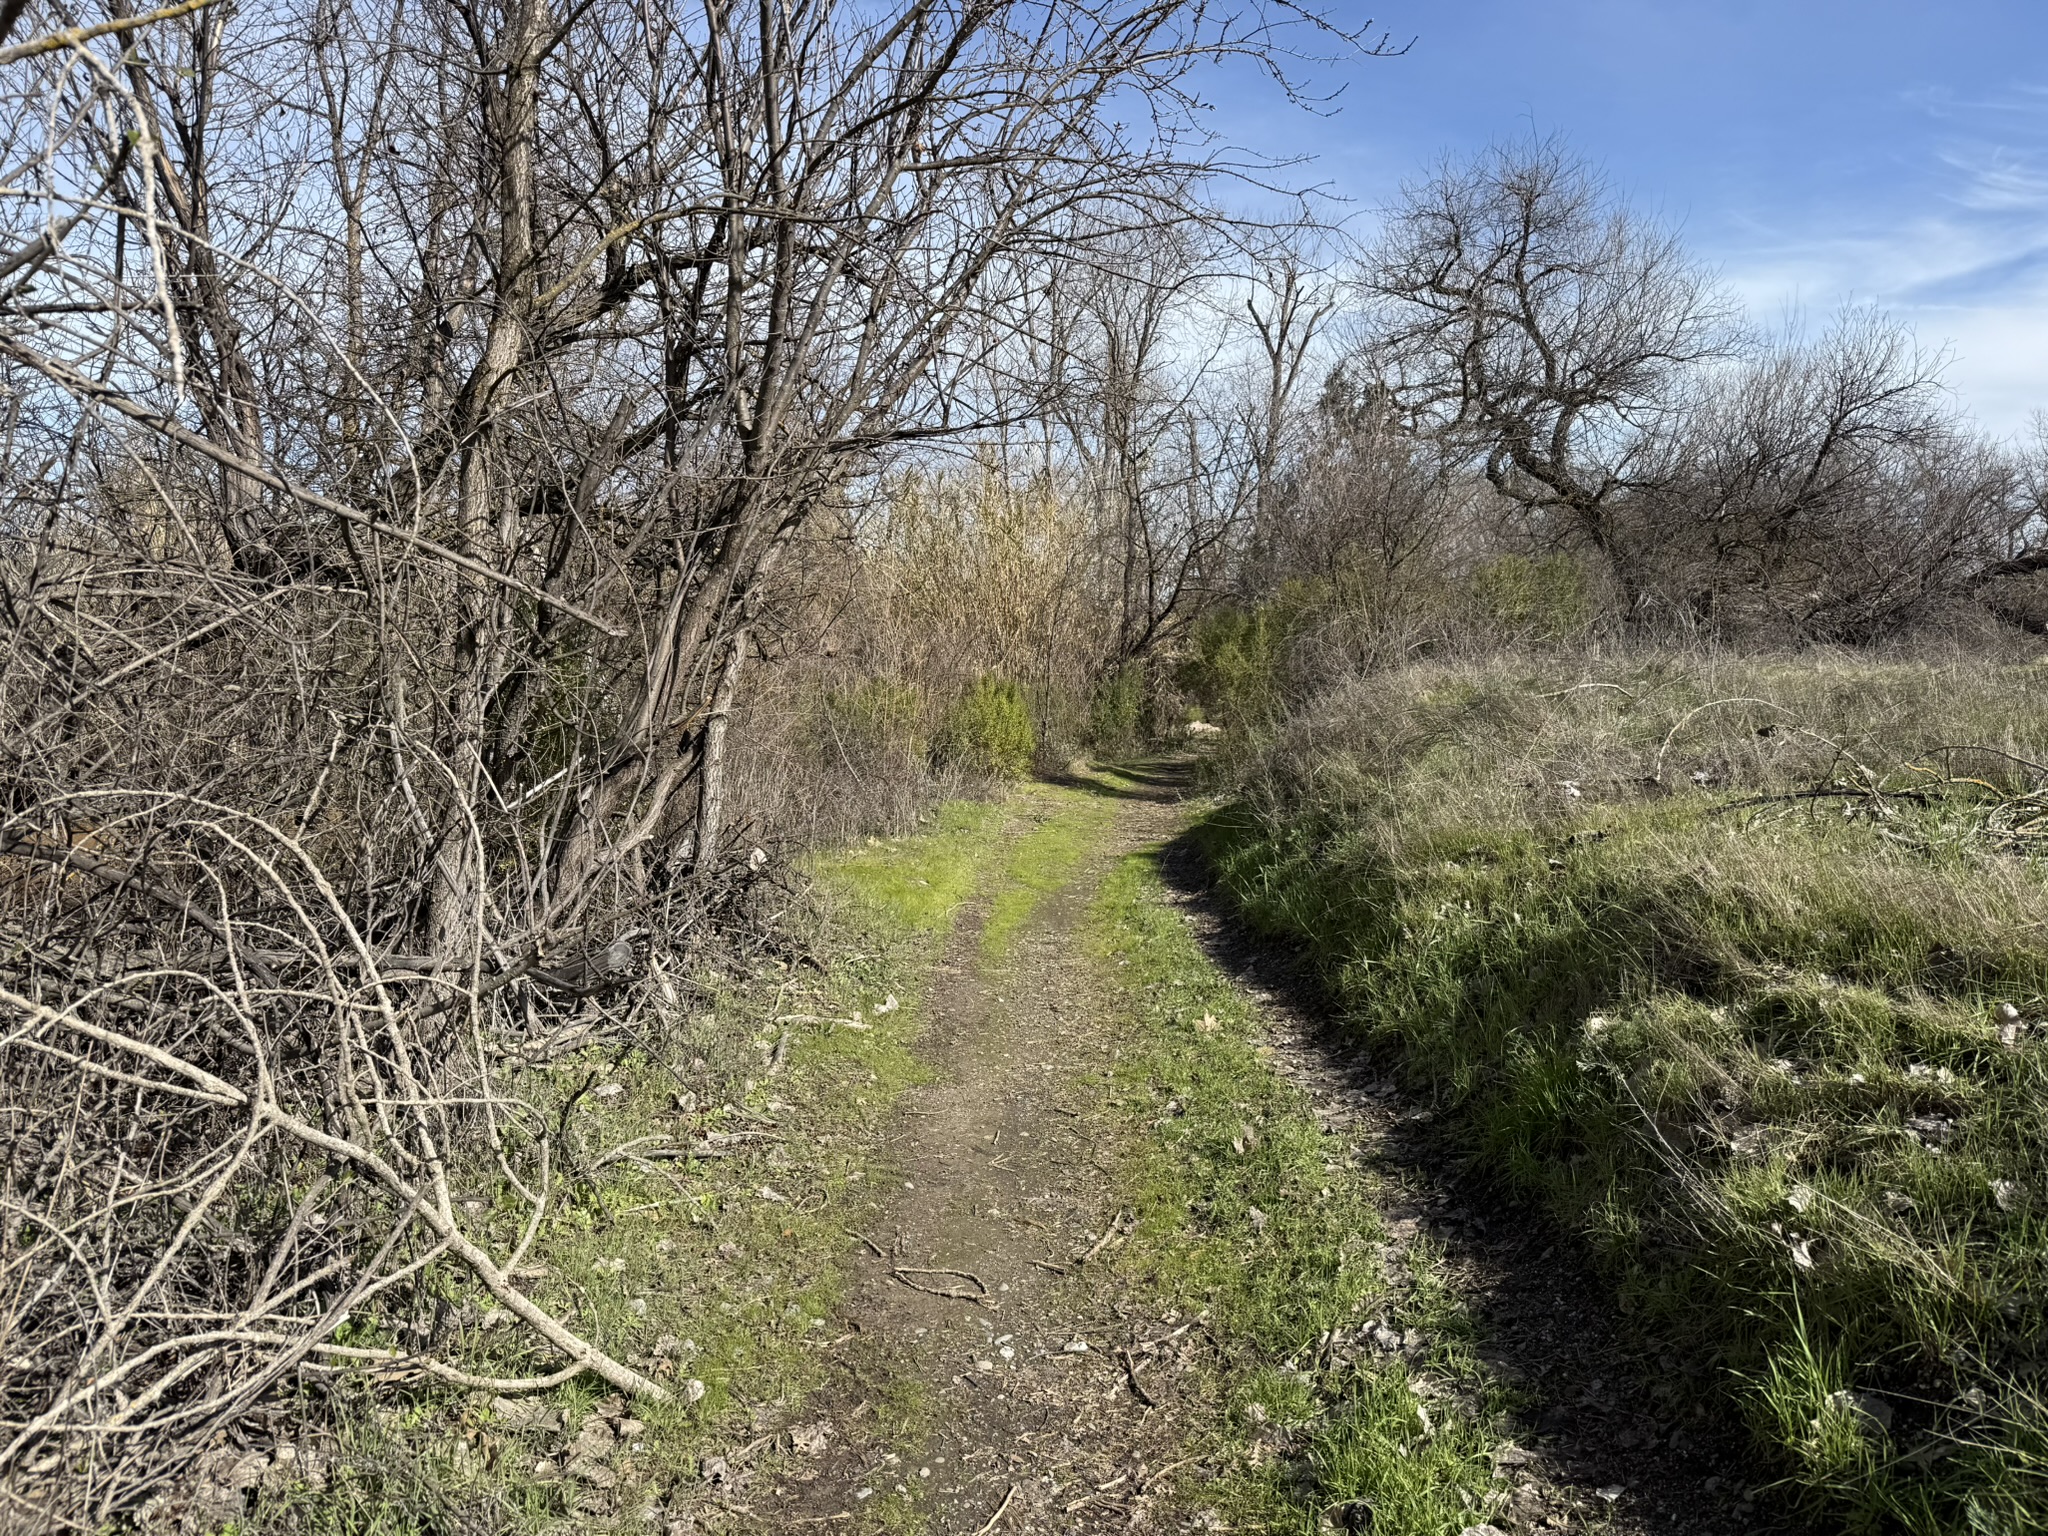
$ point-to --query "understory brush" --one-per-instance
(688, 1227)
(1740, 967)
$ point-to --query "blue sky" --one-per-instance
(1816, 151)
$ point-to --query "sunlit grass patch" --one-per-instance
(1724, 965)
(1249, 1214)
(1043, 860)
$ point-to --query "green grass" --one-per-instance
(1253, 1217)
(1043, 861)
(1749, 1048)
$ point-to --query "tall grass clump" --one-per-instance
(1740, 967)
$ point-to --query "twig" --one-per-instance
(1001, 1510)
(1131, 1374)
(979, 1294)
(1115, 1232)
(872, 1246)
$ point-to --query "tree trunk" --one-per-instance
(711, 774)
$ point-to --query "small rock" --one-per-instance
(1612, 1491)
(1077, 1347)
(607, 1090)
(1932, 1129)
(1482, 1530)
(713, 1469)
(1871, 1413)
(693, 1391)
(2007, 1195)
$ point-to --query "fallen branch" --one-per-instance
(1001, 1510)
(980, 1293)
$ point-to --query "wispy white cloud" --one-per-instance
(1966, 263)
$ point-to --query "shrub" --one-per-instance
(988, 730)
(1116, 712)
(1238, 656)
(1539, 597)
(876, 719)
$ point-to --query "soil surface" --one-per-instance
(984, 1326)
(989, 1372)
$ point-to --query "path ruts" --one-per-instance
(978, 1380)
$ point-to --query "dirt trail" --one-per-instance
(961, 1400)
(968, 1404)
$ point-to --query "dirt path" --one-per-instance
(979, 1370)
(990, 1371)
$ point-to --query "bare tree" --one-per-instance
(1546, 326)
(1824, 490)
(403, 436)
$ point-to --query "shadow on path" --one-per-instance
(1604, 1414)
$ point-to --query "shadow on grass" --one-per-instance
(1152, 778)
(1602, 1408)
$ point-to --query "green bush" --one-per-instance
(988, 730)
(1238, 656)
(1539, 597)
(1116, 712)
